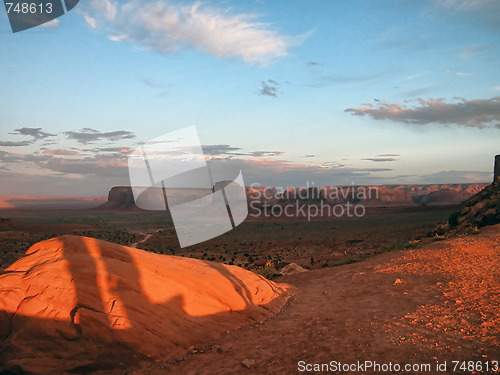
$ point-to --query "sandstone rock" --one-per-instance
(292, 269)
(80, 304)
(496, 168)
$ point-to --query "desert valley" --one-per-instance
(249, 187)
(413, 281)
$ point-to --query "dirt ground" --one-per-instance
(427, 306)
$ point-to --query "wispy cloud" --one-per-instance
(481, 12)
(167, 27)
(472, 51)
(219, 149)
(153, 83)
(228, 150)
(8, 157)
(450, 177)
(383, 158)
(413, 76)
(88, 135)
(269, 88)
(378, 160)
(330, 80)
(120, 150)
(460, 74)
(479, 113)
(275, 172)
(36, 133)
(14, 144)
(51, 24)
(59, 152)
(395, 37)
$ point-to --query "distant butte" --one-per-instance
(122, 198)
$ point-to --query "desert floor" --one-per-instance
(437, 304)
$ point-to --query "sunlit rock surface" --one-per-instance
(77, 304)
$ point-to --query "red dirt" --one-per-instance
(435, 304)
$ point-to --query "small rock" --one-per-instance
(292, 269)
(248, 363)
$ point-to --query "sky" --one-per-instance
(291, 93)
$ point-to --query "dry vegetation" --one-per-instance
(315, 244)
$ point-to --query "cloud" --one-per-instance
(88, 135)
(58, 152)
(57, 185)
(472, 51)
(153, 83)
(275, 172)
(36, 133)
(484, 13)
(466, 5)
(167, 27)
(460, 74)
(395, 37)
(383, 158)
(413, 76)
(228, 150)
(330, 80)
(269, 88)
(102, 165)
(418, 90)
(451, 177)
(265, 153)
(479, 113)
(378, 160)
(218, 149)
(14, 144)
(120, 150)
(96, 167)
(9, 157)
(51, 24)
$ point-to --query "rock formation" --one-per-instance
(78, 304)
(480, 210)
(122, 198)
(496, 168)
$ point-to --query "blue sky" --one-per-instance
(335, 92)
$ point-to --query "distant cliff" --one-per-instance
(122, 198)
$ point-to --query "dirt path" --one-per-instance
(147, 236)
(440, 303)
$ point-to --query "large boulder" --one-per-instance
(77, 304)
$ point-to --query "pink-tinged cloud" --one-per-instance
(479, 113)
(59, 152)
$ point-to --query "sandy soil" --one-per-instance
(424, 306)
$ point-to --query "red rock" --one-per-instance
(77, 303)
